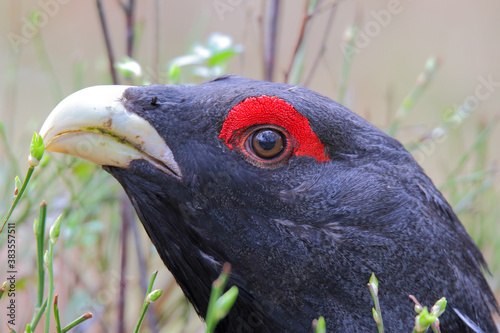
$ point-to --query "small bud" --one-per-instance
(439, 307)
(418, 308)
(349, 34)
(35, 227)
(374, 283)
(226, 268)
(425, 319)
(154, 295)
(431, 64)
(36, 150)
(319, 325)
(34, 17)
(2, 288)
(55, 230)
(33, 162)
(17, 181)
(88, 315)
(376, 317)
(225, 302)
(46, 257)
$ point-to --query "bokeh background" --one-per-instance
(42, 63)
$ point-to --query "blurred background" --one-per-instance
(427, 72)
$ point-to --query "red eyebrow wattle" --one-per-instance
(274, 111)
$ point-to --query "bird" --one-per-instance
(303, 197)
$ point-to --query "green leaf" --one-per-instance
(224, 304)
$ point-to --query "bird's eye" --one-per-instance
(267, 143)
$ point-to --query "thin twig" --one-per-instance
(78, 321)
(46, 64)
(270, 41)
(156, 38)
(351, 37)
(123, 262)
(309, 11)
(129, 17)
(152, 320)
(328, 27)
(107, 39)
(151, 296)
(126, 213)
(305, 19)
(261, 30)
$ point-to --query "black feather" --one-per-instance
(302, 239)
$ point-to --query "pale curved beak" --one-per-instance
(94, 124)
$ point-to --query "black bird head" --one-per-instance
(303, 197)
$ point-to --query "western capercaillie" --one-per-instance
(303, 197)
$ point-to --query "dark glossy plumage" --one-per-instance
(303, 238)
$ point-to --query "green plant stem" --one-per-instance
(467, 200)
(50, 269)
(46, 65)
(77, 321)
(217, 289)
(322, 49)
(151, 282)
(409, 101)
(56, 315)
(40, 242)
(377, 313)
(38, 316)
(352, 36)
(480, 140)
(294, 72)
(145, 307)
(146, 303)
(18, 196)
